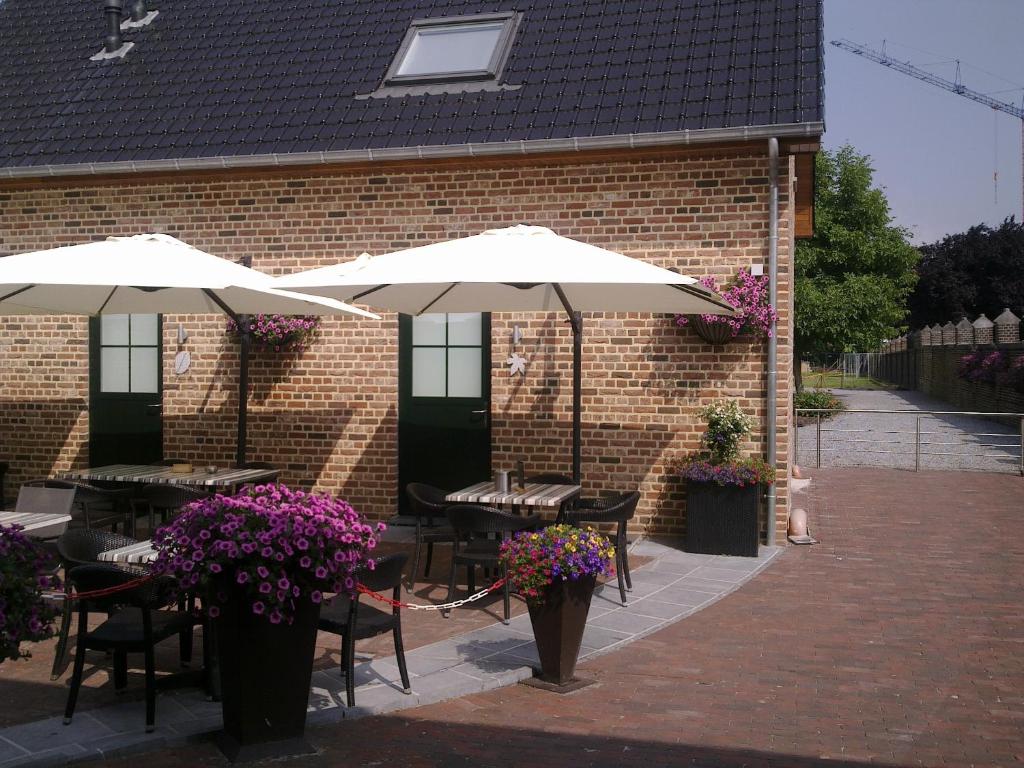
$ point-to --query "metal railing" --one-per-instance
(1011, 450)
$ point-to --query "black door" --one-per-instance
(444, 396)
(125, 386)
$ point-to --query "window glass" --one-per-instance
(113, 329)
(428, 329)
(114, 369)
(437, 50)
(428, 372)
(464, 372)
(144, 329)
(464, 328)
(145, 371)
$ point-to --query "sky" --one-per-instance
(934, 152)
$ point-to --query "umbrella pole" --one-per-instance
(245, 342)
(577, 386)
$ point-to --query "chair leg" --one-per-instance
(60, 656)
(350, 675)
(451, 587)
(415, 556)
(624, 554)
(76, 675)
(150, 689)
(343, 667)
(622, 580)
(430, 557)
(471, 579)
(506, 595)
(120, 670)
(400, 657)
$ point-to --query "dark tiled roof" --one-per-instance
(242, 77)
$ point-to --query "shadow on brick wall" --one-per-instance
(39, 436)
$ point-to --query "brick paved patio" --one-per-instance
(896, 641)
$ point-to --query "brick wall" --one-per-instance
(330, 417)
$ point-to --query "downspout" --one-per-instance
(771, 396)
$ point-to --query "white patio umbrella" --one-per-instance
(151, 274)
(517, 269)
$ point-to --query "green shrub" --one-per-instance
(817, 398)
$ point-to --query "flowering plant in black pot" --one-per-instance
(723, 490)
(24, 575)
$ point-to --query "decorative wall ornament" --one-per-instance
(517, 364)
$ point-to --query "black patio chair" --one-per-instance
(479, 532)
(75, 547)
(96, 507)
(353, 620)
(427, 505)
(138, 622)
(618, 509)
(162, 501)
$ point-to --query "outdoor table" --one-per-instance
(146, 473)
(544, 495)
(38, 525)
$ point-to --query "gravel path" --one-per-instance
(887, 440)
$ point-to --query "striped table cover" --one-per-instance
(145, 473)
(41, 525)
(535, 495)
(139, 553)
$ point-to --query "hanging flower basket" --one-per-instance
(749, 295)
(280, 333)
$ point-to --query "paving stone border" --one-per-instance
(670, 587)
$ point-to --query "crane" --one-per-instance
(953, 86)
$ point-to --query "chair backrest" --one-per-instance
(80, 546)
(153, 593)
(552, 478)
(426, 501)
(609, 509)
(56, 501)
(386, 573)
(169, 497)
(469, 520)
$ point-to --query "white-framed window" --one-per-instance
(455, 48)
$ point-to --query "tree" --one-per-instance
(963, 275)
(854, 276)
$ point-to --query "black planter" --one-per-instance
(558, 625)
(712, 333)
(722, 519)
(265, 672)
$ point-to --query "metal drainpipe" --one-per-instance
(771, 425)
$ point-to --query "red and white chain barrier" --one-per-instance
(438, 607)
(99, 592)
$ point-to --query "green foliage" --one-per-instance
(963, 275)
(853, 277)
(817, 398)
(726, 425)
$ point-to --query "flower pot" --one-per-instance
(712, 333)
(265, 672)
(722, 519)
(558, 625)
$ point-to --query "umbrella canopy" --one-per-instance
(151, 274)
(145, 274)
(518, 269)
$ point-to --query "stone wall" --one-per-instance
(330, 418)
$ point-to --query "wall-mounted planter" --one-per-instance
(712, 333)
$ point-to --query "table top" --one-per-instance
(40, 525)
(534, 495)
(139, 553)
(146, 473)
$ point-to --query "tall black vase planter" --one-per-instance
(265, 674)
(722, 519)
(558, 626)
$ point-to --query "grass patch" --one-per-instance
(839, 380)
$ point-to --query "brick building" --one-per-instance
(298, 140)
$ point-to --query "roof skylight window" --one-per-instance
(456, 48)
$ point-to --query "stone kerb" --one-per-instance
(964, 332)
(1007, 328)
(983, 333)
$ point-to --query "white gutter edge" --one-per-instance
(487, 149)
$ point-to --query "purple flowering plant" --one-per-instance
(741, 472)
(280, 333)
(536, 559)
(278, 545)
(719, 460)
(24, 615)
(749, 295)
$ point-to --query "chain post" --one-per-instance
(917, 446)
(818, 464)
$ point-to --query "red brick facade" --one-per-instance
(331, 417)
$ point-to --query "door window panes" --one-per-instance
(447, 355)
(130, 353)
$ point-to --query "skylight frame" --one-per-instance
(494, 68)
